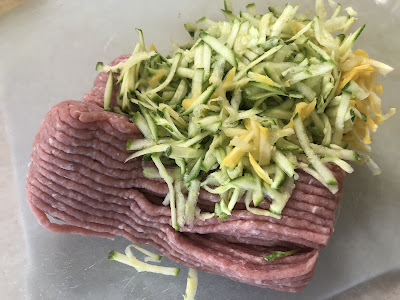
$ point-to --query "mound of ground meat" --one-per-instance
(78, 175)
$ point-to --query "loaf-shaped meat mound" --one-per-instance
(77, 175)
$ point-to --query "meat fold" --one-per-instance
(78, 175)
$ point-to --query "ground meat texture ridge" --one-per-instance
(77, 175)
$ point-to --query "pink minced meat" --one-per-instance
(78, 175)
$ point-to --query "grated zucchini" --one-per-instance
(248, 101)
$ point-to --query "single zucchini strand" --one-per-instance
(169, 180)
(108, 91)
(191, 285)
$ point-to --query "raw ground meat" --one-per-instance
(78, 175)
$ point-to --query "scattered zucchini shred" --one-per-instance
(129, 259)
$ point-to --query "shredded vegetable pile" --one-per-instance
(247, 102)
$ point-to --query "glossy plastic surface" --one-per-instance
(48, 53)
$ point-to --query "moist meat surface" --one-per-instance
(78, 175)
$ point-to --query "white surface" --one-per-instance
(12, 261)
(51, 48)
